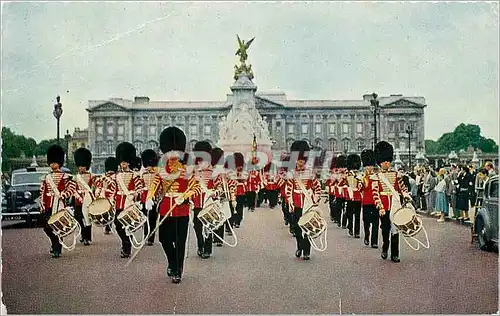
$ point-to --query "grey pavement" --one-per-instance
(260, 275)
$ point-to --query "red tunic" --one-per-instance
(296, 194)
(205, 176)
(132, 183)
(254, 181)
(64, 184)
(366, 188)
(382, 195)
(330, 186)
(80, 193)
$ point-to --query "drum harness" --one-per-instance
(394, 230)
(86, 202)
(59, 208)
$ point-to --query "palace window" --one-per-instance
(346, 145)
(331, 128)
(391, 127)
(138, 130)
(290, 129)
(208, 129)
(138, 146)
(193, 130)
(99, 129)
(305, 128)
(359, 128)
(401, 126)
(152, 130)
(110, 129)
(98, 147)
(332, 144)
(361, 146)
(345, 128)
(121, 129)
(109, 147)
(318, 128)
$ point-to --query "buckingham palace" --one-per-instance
(341, 126)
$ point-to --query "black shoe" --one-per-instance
(395, 259)
(176, 279)
(125, 254)
(169, 272)
(350, 232)
(298, 253)
(200, 253)
(286, 223)
(82, 240)
(356, 236)
(86, 242)
(332, 219)
(205, 256)
(218, 244)
(306, 257)
(237, 225)
(107, 232)
(150, 243)
(366, 242)
(344, 227)
(375, 246)
(384, 255)
(338, 224)
(229, 233)
(56, 254)
(51, 250)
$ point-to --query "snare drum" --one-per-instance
(101, 212)
(406, 221)
(62, 223)
(132, 218)
(312, 224)
(211, 216)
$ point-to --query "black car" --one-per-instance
(21, 199)
(486, 221)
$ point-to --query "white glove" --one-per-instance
(233, 204)
(149, 205)
(139, 205)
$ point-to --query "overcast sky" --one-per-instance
(446, 52)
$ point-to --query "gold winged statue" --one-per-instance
(242, 50)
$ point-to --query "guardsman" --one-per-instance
(370, 213)
(354, 195)
(149, 159)
(254, 184)
(382, 195)
(177, 187)
(226, 190)
(341, 186)
(106, 185)
(203, 172)
(56, 188)
(296, 195)
(271, 184)
(331, 189)
(85, 181)
(241, 179)
(285, 208)
(128, 185)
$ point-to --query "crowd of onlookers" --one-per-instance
(449, 192)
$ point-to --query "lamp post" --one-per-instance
(67, 138)
(409, 131)
(57, 114)
(375, 104)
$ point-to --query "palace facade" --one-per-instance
(342, 126)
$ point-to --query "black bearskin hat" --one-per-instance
(216, 154)
(384, 152)
(239, 159)
(353, 162)
(202, 146)
(341, 162)
(301, 146)
(111, 164)
(83, 157)
(125, 152)
(55, 153)
(149, 158)
(172, 139)
(368, 158)
(136, 164)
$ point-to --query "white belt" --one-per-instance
(173, 194)
(298, 191)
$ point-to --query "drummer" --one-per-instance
(296, 195)
(106, 185)
(149, 161)
(55, 189)
(128, 184)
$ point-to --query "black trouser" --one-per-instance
(272, 195)
(285, 210)
(339, 209)
(238, 217)
(86, 230)
(251, 199)
(204, 244)
(55, 244)
(371, 217)
(353, 214)
(126, 243)
(387, 237)
(152, 218)
(173, 234)
(333, 209)
(261, 196)
(301, 238)
(108, 228)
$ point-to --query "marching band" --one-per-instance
(160, 197)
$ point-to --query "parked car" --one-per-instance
(486, 221)
(21, 200)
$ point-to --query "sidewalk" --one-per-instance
(448, 219)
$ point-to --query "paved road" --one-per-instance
(261, 275)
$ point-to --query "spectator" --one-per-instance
(441, 201)
(463, 189)
(413, 187)
(488, 166)
(430, 194)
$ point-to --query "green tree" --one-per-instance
(463, 137)
(431, 146)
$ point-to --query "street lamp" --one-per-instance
(67, 138)
(409, 131)
(57, 114)
(375, 104)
